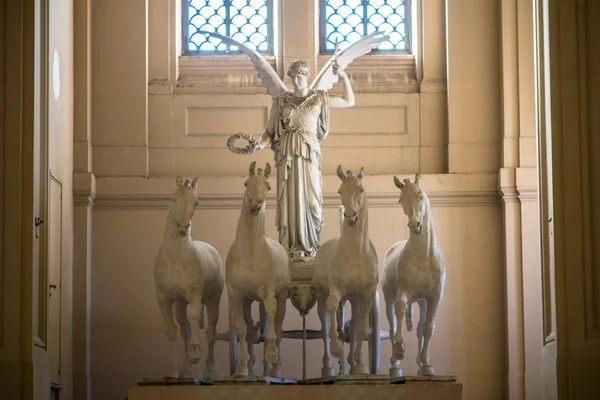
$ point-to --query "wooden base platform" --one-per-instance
(344, 387)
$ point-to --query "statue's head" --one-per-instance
(257, 188)
(414, 201)
(183, 203)
(352, 193)
(299, 71)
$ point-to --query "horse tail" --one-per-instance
(409, 323)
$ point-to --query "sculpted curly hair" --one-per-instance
(299, 67)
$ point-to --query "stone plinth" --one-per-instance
(339, 387)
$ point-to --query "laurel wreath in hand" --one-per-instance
(252, 143)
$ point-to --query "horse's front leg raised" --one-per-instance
(335, 295)
(267, 295)
(195, 316)
(366, 303)
(236, 304)
(166, 307)
(428, 327)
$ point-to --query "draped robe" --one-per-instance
(295, 142)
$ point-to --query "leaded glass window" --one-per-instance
(247, 21)
(349, 20)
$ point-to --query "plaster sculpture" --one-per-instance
(346, 269)
(188, 276)
(298, 120)
(413, 272)
(257, 270)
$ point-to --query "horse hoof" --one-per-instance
(241, 371)
(426, 370)
(399, 349)
(336, 348)
(276, 373)
(271, 354)
(326, 372)
(395, 372)
(208, 375)
(359, 369)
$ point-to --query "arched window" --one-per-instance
(247, 21)
(349, 20)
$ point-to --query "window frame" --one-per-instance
(185, 32)
(407, 36)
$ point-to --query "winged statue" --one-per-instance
(298, 121)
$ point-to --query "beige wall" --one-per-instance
(155, 115)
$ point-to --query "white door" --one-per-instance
(54, 277)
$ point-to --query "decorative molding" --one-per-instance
(527, 192)
(330, 200)
(234, 74)
(84, 189)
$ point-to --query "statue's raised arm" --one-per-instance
(327, 78)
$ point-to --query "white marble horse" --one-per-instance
(413, 272)
(346, 269)
(188, 276)
(257, 270)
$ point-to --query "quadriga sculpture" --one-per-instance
(188, 276)
(413, 272)
(346, 269)
(257, 270)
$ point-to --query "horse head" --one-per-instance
(352, 194)
(257, 188)
(414, 202)
(183, 203)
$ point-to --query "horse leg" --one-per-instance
(366, 304)
(422, 316)
(184, 330)
(327, 369)
(395, 370)
(166, 308)
(250, 336)
(333, 301)
(282, 297)
(195, 315)
(237, 306)
(428, 327)
(267, 295)
(212, 316)
(400, 309)
(351, 334)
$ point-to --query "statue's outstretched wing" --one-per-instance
(326, 79)
(268, 77)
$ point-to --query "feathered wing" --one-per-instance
(326, 79)
(268, 77)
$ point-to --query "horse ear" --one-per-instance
(361, 173)
(267, 171)
(340, 172)
(251, 169)
(397, 182)
(178, 181)
(417, 178)
(195, 183)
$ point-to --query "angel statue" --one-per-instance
(298, 120)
